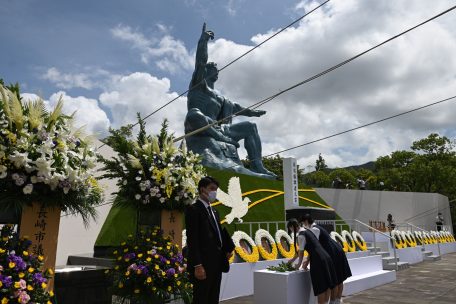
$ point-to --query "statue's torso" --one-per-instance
(206, 100)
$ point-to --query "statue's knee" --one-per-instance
(252, 127)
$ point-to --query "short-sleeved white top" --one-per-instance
(302, 238)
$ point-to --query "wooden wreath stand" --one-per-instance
(40, 225)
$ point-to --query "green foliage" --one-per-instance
(282, 267)
(320, 163)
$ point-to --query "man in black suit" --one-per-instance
(209, 246)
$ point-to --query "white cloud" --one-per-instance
(88, 113)
(142, 92)
(168, 53)
(68, 81)
(411, 71)
(90, 78)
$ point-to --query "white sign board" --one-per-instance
(290, 182)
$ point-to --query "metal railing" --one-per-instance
(357, 225)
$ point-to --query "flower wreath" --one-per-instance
(433, 238)
(279, 236)
(427, 238)
(253, 257)
(339, 239)
(349, 240)
(259, 235)
(450, 237)
(407, 236)
(398, 241)
(419, 237)
(359, 240)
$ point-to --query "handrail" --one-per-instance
(372, 228)
(416, 227)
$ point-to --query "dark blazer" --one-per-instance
(203, 245)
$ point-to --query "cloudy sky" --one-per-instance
(110, 59)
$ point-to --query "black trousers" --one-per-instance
(207, 291)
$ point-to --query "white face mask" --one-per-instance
(212, 196)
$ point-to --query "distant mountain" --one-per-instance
(369, 166)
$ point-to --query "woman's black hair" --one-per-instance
(306, 218)
(293, 223)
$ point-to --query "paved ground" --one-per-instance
(424, 283)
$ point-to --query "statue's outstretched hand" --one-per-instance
(207, 34)
(258, 113)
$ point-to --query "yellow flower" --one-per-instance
(44, 285)
(5, 301)
(51, 293)
(17, 285)
(21, 275)
(48, 302)
(2, 250)
(148, 239)
(148, 259)
(119, 258)
(163, 273)
(140, 255)
(126, 250)
(115, 252)
(169, 190)
(123, 243)
(137, 291)
(170, 288)
(31, 270)
(157, 267)
(107, 271)
(153, 288)
(29, 287)
(138, 271)
(11, 265)
(121, 285)
(127, 260)
(25, 253)
(127, 273)
(50, 271)
(1, 284)
(117, 267)
(167, 247)
(136, 247)
(178, 283)
(41, 258)
(149, 280)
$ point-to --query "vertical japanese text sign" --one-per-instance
(290, 182)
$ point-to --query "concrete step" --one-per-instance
(373, 249)
(427, 253)
(400, 266)
(432, 258)
(389, 260)
(384, 254)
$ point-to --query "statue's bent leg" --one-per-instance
(248, 131)
(195, 120)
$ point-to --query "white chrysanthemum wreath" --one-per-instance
(261, 234)
(339, 239)
(349, 240)
(359, 240)
(282, 236)
(251, 257)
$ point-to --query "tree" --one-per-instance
(320, 163)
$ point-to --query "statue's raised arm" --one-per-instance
(201, 56)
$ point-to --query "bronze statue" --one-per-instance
(218, 144)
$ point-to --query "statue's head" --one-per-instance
(211, 71)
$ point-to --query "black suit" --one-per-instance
(204, 248)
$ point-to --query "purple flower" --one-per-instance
(170, 272)
(143, 269)
(38, 278)
(7, 281)
(20, 264)
(129, 256)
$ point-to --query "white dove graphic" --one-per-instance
(233, 199)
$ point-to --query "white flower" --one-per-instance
(2, 154)
(3, 171)
(28, 189)
(162, 200)
(43, 166)
(124, 183)
(19, 181)
(19, 159)
(138, 196)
